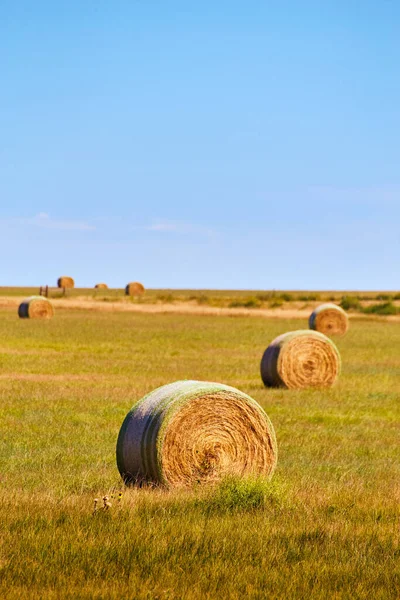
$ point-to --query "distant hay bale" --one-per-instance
(134, 289)
(36, 307)
(191, 432)
(329, 319)
(300, 359)
(101, 286)
(65, 282)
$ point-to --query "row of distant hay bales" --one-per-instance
(134, 288)
(40, 307)
(131, 289)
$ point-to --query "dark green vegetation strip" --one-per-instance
(329, 526)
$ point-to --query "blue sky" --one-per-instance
(201, 144)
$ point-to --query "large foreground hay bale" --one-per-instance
(134, 289)
(36, 307)
(65, 282)
(191, 432)
(300, 359)
(101, 286)
(329, 319)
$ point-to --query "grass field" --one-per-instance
(327, 526)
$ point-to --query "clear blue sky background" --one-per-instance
(241, 144)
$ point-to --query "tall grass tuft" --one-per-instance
(350, 303)
(235, 494)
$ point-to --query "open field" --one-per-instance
(327, 526)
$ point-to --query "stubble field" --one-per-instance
(327, 526)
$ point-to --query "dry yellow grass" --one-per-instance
(325, 526)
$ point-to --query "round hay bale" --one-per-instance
(134, 289)
(101, 286)
(329, 319)
(300, 359)
(65, 282)
(36, 307)
(191, 432)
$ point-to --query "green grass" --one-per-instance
(326, 526)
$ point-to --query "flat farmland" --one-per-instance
(328, 525)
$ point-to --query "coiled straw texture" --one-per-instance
(134, 289)
(329, 319)
(191, 432)
(101, 286)
(36, 307)
(65, 282)
(300, 359)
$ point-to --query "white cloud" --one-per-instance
(45, 221)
